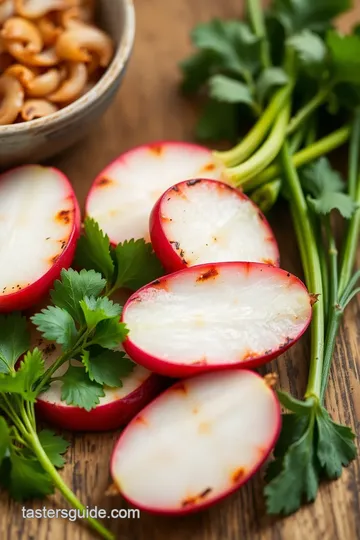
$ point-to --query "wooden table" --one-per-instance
(149, 107)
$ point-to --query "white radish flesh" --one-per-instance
(197, 442)
(123, 195)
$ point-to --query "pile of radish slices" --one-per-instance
(224, 305)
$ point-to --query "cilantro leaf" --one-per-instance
(109, 334)
(93, 250)
(325, 187)
(78, 390)
(218, 121)
(73, 287)
(270, 78)
(5, 439)
(315, 15)
(335, 447)
(54, 446)
(26, 479)
(22, 381)
(108, 368)
(96, 310)
(224, 88)
(137, 264)
(196, 70)
(14, 340)
(311, 52)
(56, 324)
(345, 56)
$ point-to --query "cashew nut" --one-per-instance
(76, 43)
(45, 58)
(22, 73)
(49, 30)
(5, 61)
(34, 9)
(82, 13)
(7, 9)
(23, 32)
(37, 108)
(73, 86)
(12, 99)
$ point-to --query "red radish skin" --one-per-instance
(124, 193)
(200, 221)
(115, 410)
(215, 316)
(47, 241)
(197, 443)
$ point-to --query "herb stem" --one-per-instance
(312, 268)
(308, 109)
(303, 157)
(37, 448)
(333, 260)
(258, 24)
(333, 328)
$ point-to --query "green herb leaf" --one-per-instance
(311, 52)
(78, 390)
(108, 368)
(56, 324)
(54, 446)
(197, 69)
(5, 439)
(22, 381)
(93, 250)
(73, 287)
(26, 479)
(333, 201)
(335, 447)
(96, 310)
(137, 264)
(345, 56)
(269, 79)
(109, 334)
(224, 88)
(14, 340)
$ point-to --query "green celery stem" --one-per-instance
(311, 262)
(308, 109)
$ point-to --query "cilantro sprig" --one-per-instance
(304, 80)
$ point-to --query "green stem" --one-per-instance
(308, 109)
(255, 11)
(305, 156)
(267, 153)
(37, 448)
(257, 134)
(312, 268)
(354, 157)
(350, 287)
(351, 296)
(333, 328)
(333, 260)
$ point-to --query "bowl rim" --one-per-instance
(116, 66)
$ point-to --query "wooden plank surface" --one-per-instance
(149, 107)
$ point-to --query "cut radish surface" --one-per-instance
(197, 442)
(201, 221)
(116, 408)
(40, 224)
(215, 316)
(123, 195)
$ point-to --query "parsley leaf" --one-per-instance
(270, 78)
(345, 56)
(99, 309)
(93, 250)
(108, 368)
(5, 439)
(137, 264)
(78, 390)
(22, 381)
(56, 324)
(229, 90)
(26, 479)
(311, 52)
(73, 287)
(54, 446)
(109, 334)
(14, 340)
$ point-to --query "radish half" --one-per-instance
(123, 195)
(200, 221)
(116, 408)
(197, 442)
(40, 225)
(215, 316)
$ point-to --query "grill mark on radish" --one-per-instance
(175, 244)
(141, 420)
(64, 216)
(261, 216)
(237, 475)
(161, 285)
(209, 274)
(165, 219)
(180, 387)
(175, 188)
(269, 262)
(54, 259)
(192, 500)
(249, 355)
(208, 167)
(156, 150)
(287, 342)
(103, 181)
(191, 183)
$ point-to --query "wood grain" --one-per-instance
(149, 107)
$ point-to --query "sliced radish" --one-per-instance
(116, 408)
(197, 442)
(40, 225)
(215, 316)
(200, 221)
(123, 195)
